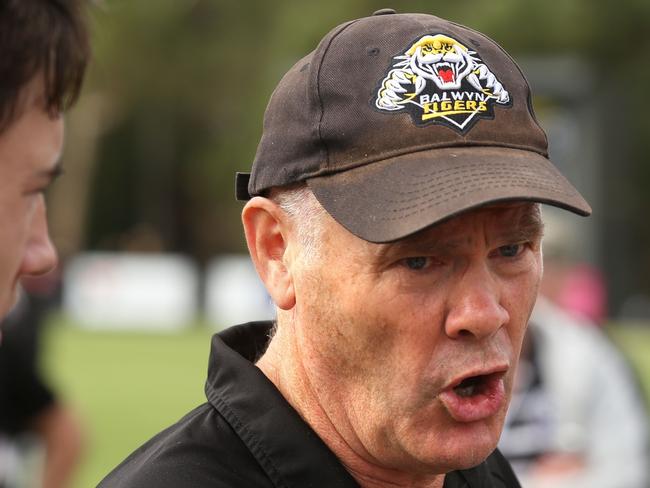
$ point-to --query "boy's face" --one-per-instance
(29, 153)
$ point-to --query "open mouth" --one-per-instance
(475, 397)
(471, 386)
(477, 385)
(445, 72)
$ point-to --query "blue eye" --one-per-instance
(510, 251)
(416, 263)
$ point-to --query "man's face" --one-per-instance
(411, 347)
(29, 151)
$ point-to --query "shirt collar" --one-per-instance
(288, 449)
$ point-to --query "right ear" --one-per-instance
(266, 227)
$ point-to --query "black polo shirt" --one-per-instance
(24, 394)
(247, 435)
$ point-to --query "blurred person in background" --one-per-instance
(393, 215)
(44, 49)
(577, 418)
(41, 438)
(569, 282)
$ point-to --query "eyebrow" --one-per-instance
(528, 227)
(424, 244)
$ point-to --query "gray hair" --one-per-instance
(306, 215)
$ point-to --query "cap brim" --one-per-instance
(391, 199)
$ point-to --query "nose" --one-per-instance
(475, 309)
(39, 255)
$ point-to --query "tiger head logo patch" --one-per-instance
(439, 80)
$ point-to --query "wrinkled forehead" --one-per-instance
(516, 220)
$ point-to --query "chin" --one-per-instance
(468, 445)
(458, 456)
(465, 459)
(474, 456)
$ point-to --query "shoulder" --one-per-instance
(200, 450)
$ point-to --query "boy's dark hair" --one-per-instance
(41, 36)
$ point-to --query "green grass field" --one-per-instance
(128, 386)
(125, 386)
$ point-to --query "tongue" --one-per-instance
(446, 74)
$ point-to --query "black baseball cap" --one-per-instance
(399, 121)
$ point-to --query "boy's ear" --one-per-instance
(266, 228)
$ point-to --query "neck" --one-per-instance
(284, 367)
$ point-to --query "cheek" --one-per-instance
(13, 242)
(532, 284)
(15, 222)
(350, 323)
(521, 297)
